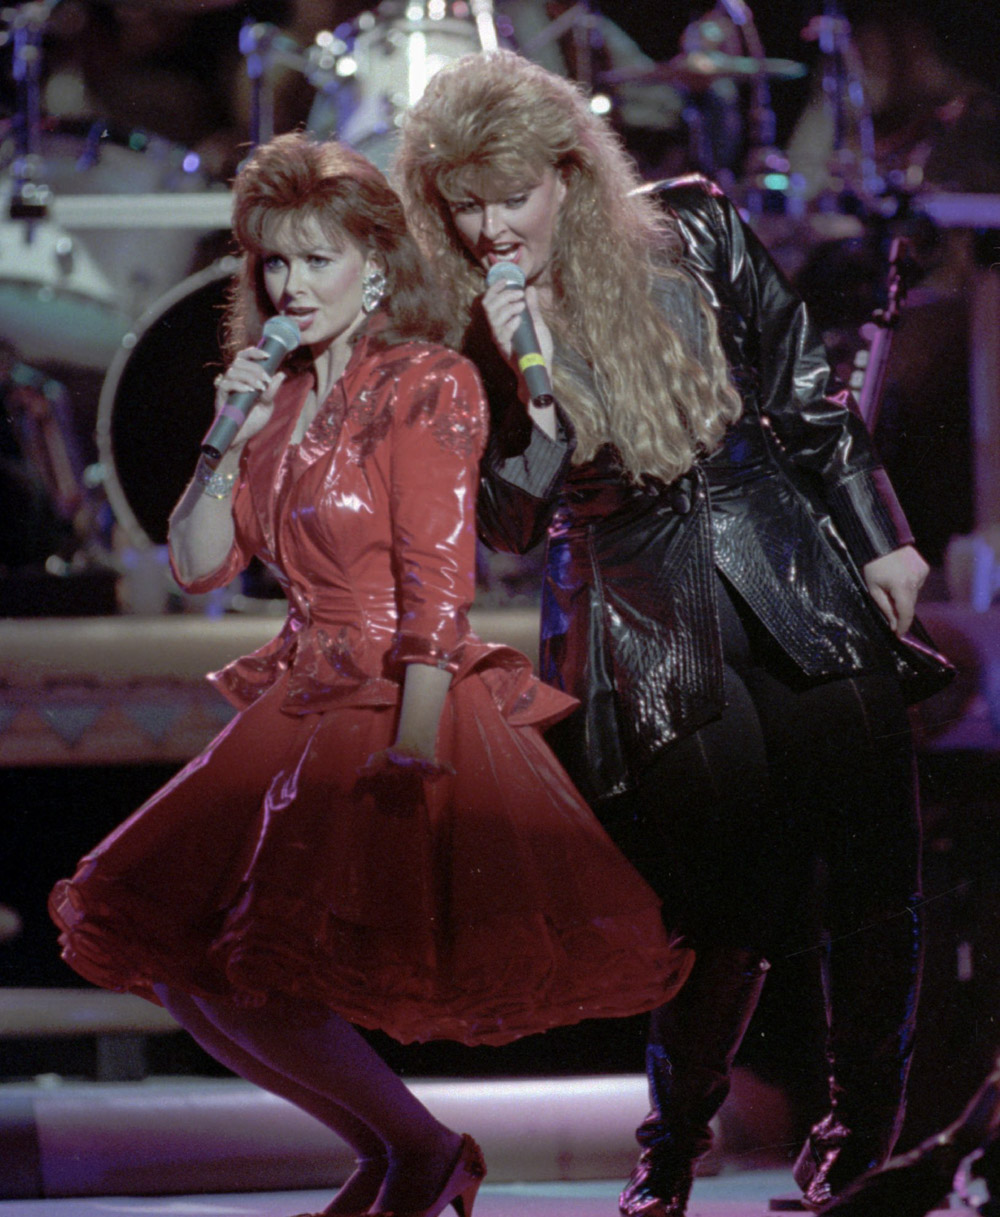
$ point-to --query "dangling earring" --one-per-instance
(373, 286)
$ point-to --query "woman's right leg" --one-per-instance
(359, 1191)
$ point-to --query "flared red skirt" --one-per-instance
(492, 906)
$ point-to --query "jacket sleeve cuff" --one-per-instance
(868, 515)
(232, 565)
(538, 468)
(411, 648)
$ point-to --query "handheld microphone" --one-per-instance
(526, 345)
(280, 336)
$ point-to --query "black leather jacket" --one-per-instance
(788, 509)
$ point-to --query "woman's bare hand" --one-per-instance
(894, 581)
(503, 304)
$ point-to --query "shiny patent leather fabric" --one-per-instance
(374, 578)
(481, 906)
(789, 508)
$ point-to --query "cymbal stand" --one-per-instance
(843, 89)
(265, 47)
(762, 153)
(259, 44)
(486, 27)
(762, 125)
(27, 22)
(583, 23)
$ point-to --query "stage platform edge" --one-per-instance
(224, 1135)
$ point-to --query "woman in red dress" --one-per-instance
(380, 837)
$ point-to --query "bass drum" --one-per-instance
(58, 309)
(67, 296)
(157, 402)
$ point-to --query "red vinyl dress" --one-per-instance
(496, 908)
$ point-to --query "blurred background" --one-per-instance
(861, 140)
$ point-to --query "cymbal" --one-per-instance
(700, 68)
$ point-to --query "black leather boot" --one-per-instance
(871, 984)
(693, 1041)
(914, 1183)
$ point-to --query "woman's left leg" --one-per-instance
(841, 759)
(322, 1051)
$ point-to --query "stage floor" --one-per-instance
(729, 1194)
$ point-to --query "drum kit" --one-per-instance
(98, 228)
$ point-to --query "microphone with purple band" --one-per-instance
(526, 345)
(280, 336)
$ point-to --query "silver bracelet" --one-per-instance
(216, 485)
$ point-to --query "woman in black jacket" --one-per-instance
(729, 587)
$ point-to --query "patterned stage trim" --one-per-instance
(122, 690)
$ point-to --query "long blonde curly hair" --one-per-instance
(495, 120)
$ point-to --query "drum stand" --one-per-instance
(27, 22)
(853, 130)
(39, 407)
(79, 575)
(41, 414)
(720, 50)
(264, 48)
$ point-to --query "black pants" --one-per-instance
(800, 788)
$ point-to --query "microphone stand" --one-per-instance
(885, 320)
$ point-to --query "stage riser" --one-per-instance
(131, 690)
(158, 1138)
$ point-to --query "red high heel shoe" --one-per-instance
(460, 1189)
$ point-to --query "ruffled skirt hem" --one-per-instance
(540, 978)
(496, 908)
